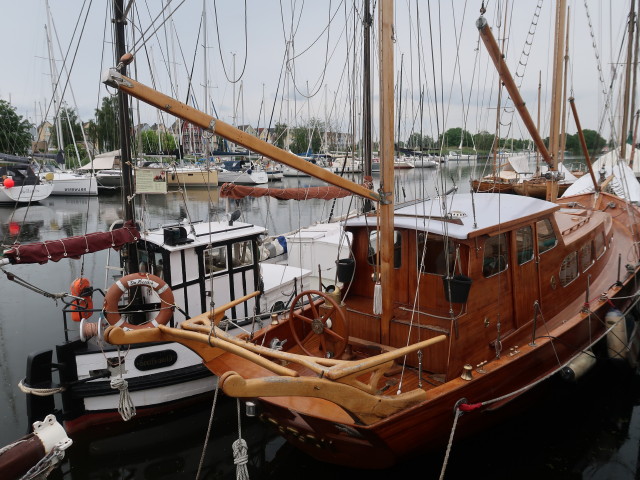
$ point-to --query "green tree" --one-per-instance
(451, 138)
(299, 140)
(307, 136)
(15, 138)
(149, 142)
(280, 133)
(593, 140)
(484, 141)
(69, 135)
(107, 125)
(167, 144)
(91, 132)
(417, 141)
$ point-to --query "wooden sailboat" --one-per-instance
(455, 304)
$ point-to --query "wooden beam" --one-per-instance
(178, 109)
(510, 85)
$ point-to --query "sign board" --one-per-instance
(151, 180)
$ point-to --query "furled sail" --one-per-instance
(231, 190)
(72, 247)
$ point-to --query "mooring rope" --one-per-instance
(126, 407)
(240, 451)
(41, 392)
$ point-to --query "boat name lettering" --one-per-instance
(153, 360)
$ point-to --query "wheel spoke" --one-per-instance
(300, 316)
(327, 315)
(328, 331)
(314, 308)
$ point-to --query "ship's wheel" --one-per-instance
(325, 319)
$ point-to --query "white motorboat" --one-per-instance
(20, 184)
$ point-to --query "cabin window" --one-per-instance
(215, 260)
(569, 269)
(397, 248)
(546, 236)
(495, 255)
(586, 257)
(151, 262)
(599, 245)
(524, 244)
(434, 259)
(242, 253)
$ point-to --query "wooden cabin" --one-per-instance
(521, 259)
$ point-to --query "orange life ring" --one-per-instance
(112, 298)
(81, 307)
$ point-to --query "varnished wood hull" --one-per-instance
(510, 344)
(315, 428)
(428, 426)
(537, 189)
(484, 186)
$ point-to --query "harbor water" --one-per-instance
(586, 430)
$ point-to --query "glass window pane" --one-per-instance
(524, 244)
(215, 260)
(598, 244)
(569, 269)
(434, 260)
(242, 254)
(495, 255)
(586, 259)
(546, 236)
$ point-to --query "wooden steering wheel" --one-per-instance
(325, 319)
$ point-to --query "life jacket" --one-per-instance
(81, 307)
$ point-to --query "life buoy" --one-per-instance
(112, 298)
(81, 307)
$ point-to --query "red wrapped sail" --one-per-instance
(231, 190)
(72, 247)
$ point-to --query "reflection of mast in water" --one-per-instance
(5, 374)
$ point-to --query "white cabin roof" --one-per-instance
(491, 210)
(205, 233)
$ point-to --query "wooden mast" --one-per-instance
(627, 84)
(583, 145)
(496, 144)
(563, 132)
(556, 90)
(386, 165)
(366, 91)
(538, 120)
(498, 60)
(120, 20)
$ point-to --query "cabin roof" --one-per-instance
(221, 232)
(458, 220)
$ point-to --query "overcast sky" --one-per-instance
(436, 43)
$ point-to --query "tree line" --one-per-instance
(483, 142)
(103, 134)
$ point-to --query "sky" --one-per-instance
(441, 68)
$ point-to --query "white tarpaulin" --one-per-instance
(104, 161)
